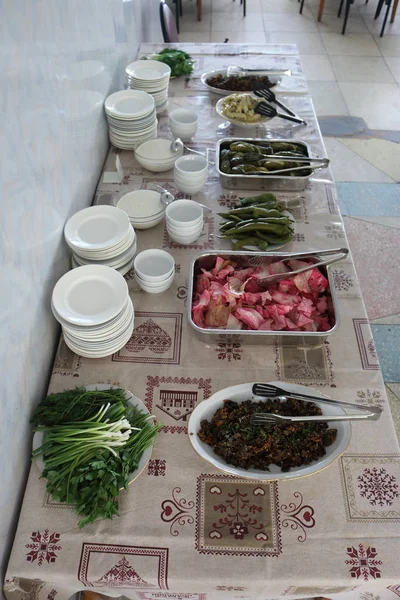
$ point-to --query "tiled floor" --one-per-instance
(354, 81)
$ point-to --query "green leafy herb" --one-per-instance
(93, 440)
(180, 62)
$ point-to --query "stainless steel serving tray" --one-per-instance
(207, 260)
(261, 182)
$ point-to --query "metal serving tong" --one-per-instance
(311, 164)
(266, 110)
(268, 390)
(268, 420)
(270, 96)
(241, 71)
(261, 261)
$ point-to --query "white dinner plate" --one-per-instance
(134, 401)
(239, 393)
(148, 70)
(90, 295)
(100, 353)
(91, 328)
(128, 104)
(102, 334)
(97, 228)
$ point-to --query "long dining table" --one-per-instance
(187, 530)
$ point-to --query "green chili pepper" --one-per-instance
(267, 197)
(250, 241)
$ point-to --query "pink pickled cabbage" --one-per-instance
(298, 303)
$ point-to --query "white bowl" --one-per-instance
(184, 233)
(141, 204)
(194, 179)
(154, 265)
(185, 134)
(184, 240)
(183, 123)
(184, 213)
(156, 150)
(155, 290)
(156, 167)
(187, 188)
(241, 393)
(147, 224)
(191, 165)
(155, 285)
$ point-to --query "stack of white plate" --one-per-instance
(95, 311)
(132, 119)
(101, 235)
(143, 207)
(150, 76)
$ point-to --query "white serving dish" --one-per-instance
(219, 108)
(239, 393)
(142, 204)
(275, 79)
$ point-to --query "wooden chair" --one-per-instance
(320, 9)
(168, 23)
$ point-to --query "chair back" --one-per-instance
(168, 25)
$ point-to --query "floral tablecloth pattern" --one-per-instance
(186, 530)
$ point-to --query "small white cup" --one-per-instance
(185, 230)
(184, 240)
(183, 123)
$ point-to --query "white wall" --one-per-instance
(58, 60)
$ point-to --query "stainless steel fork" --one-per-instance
(270, 419)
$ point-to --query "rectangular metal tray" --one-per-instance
(288, 338)
(261, 182)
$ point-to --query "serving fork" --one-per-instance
(270, 96)
(268, 390)
(266, 110)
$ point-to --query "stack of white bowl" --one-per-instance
(154, 270)
(185, 221)
(143, 207)
(101, 235)
(131, 117)
(157, 155)
(93, 306)
(183, 123)
(152, 77)
(190, 173)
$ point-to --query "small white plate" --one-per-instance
(97, 228)
(134, 401)
(239, 393)
(128, 104)
(90, 295)
(148, 70)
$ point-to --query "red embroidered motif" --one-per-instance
(175, 397)
(52, 594)
(177, 512)
(229, 348)
(230, 588)
(300, 516)
(156, 467)
(238, 521)
(44, 547)
(122, 575)
(395, 589)
(378, 486)
(228, 200)
(364, 562)
(149, 335)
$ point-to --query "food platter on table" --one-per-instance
(38, 437)
(240, 393)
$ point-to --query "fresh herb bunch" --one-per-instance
(93, 440)
(180, 62)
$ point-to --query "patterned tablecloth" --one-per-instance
(186, 530)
